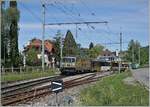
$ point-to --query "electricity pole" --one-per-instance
(132, 53)
(43, 34)
(0, 33)
(139, 55)
(61, 49)
(120, 52)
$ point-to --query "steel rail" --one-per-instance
(46, 89)
(29, 84)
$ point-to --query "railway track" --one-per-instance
(16, 98)
(12, 89)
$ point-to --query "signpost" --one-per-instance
(57, 86)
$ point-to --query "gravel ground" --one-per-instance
(69, 97)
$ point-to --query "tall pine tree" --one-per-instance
(91, 45)
(4, 36)
(13, 16)
(70, 46)
(2, 32)
(57, 45)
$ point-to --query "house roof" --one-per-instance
(107, 53)
(38, 43)
(48, 45)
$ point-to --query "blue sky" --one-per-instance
(128, 16)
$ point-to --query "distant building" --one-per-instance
(107, 56)
(37, 44)
(108, 53)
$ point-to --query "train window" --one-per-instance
(115, 64)
(68, 60)
(105, 64)
(73, 59)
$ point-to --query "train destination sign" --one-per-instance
(57, 86)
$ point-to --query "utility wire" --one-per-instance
(75, 10)
(47, 9)
(109, 30)
(81, 19)
(114, 43)
(51, 4)
(31, 12)
(62, 8)
(94, 29)
(71, 12)
(66, 11)
(85, 5)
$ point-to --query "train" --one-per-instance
(74, 65)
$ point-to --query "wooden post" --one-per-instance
(3, 69)
(12, 69)
(20, 69)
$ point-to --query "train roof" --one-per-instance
(97, 60)
(69, 57)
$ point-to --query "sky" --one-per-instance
(127, 16)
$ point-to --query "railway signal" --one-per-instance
(57, 86)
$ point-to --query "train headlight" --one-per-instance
(73, 64)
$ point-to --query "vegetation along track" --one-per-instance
(42, 91)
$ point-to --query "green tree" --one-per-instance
(12, 19)
(95, 51)
(91, 45)
(129, 54)
(31, 57)
(57, 45)
(84, 53)
(3, 36)
(133, 51)
(70, 47)
(144, 53)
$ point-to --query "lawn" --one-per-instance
(9, 77)
(113, 91)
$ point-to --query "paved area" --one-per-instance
(142, 75)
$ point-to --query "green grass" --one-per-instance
(113, 91)
(10, 77)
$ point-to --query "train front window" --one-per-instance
(66, 60)
(105, 64)
(69, 60)
(73, 59)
